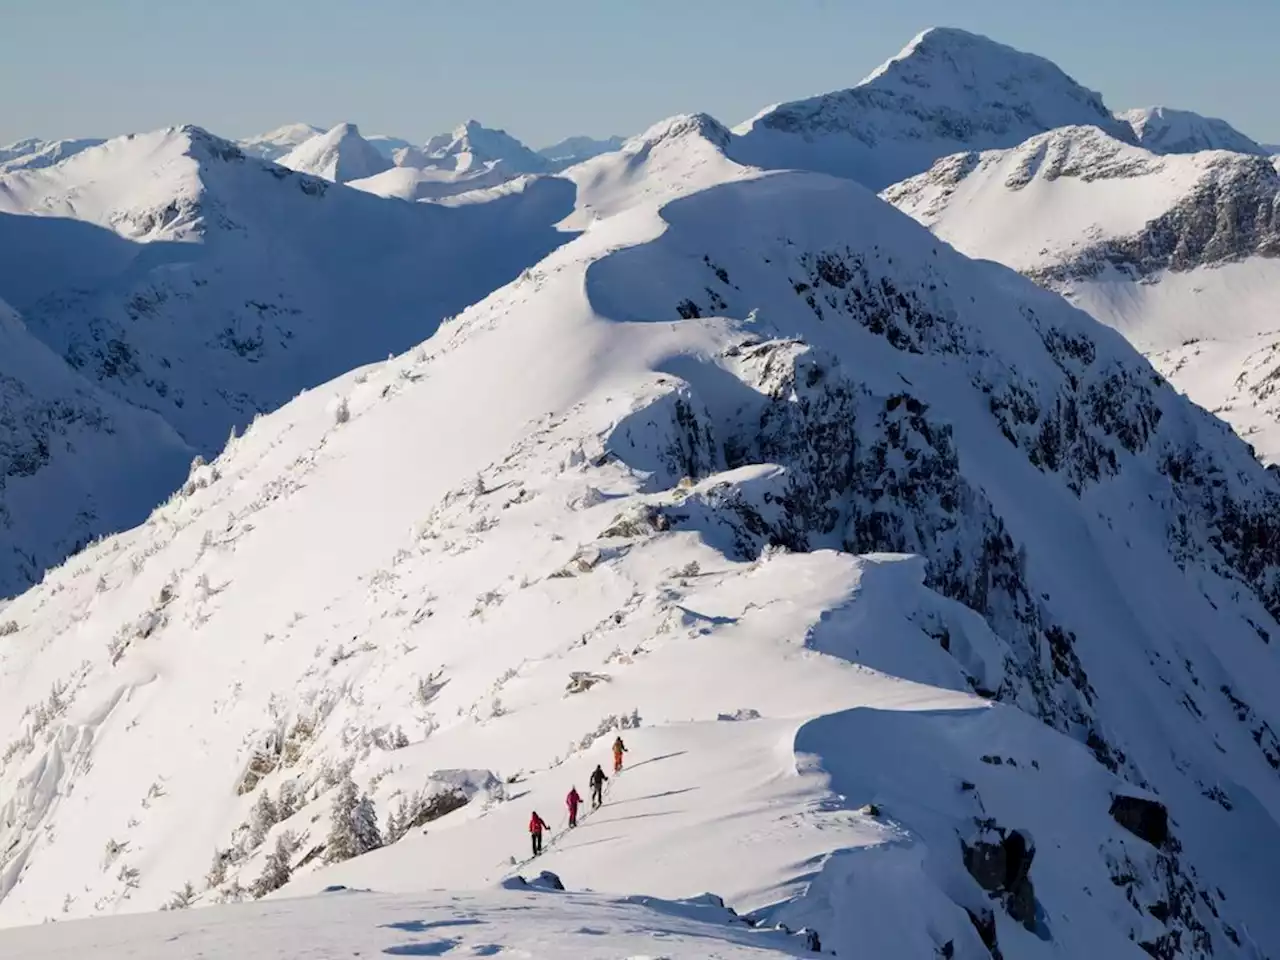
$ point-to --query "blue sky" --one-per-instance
(544, 69)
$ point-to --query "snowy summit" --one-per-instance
(948, 90)
(340, 155)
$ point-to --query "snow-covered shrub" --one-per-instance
(8, 628)
(181, 898)
(429, 687)
(342, 413)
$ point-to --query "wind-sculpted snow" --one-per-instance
(660, 486)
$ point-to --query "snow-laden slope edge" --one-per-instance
(769, 367)
(948, 90)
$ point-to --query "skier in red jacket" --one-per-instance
(572, 801)
(536, 826)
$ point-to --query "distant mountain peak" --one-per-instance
(471, 145)
(1166, 130)
(947, 91)
(276, 143)
(340, 154)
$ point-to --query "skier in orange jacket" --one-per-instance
(536, 826)
(619, 748)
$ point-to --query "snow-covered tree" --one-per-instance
(354, 827)
(287, 803)
(366, 826)
(262, 818)
(276, 872)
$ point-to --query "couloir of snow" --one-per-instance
(1074, 196)
(948, 90)
(1165, 130)
(638, 463)
(339, 154)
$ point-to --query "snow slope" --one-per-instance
(184, 278)
(276, 143)
(472, 157)
(662, 483)
(947, 91)
(74, 462)
(340, 154)
(1164, 130)
(573, 150)
(527, 924)
(35, 154)
(1177, 252)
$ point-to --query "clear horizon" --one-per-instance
(415, 68)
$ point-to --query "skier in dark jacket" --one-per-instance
(536, 826)
(597, 786)
(572, 801)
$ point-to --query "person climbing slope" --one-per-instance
(572, 801)
(619, 748)
(597, 786)
(536, 826)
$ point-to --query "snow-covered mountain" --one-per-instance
(388, 146)
(472, 157)
(75, 463)
(184, 278)
(947, 91)
(339, 154)
(573, 150)
(35, 154)
(662, 483)
(276, 143)
(1163, 130)
(1177, 252)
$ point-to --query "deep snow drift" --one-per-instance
(948, 90)
(1177, 252)
(660, 484)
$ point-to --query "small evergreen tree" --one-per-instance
(342, 840)
(354, 827)
(262, 818)
(366, 826)
(287, 804)
(276, 872)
